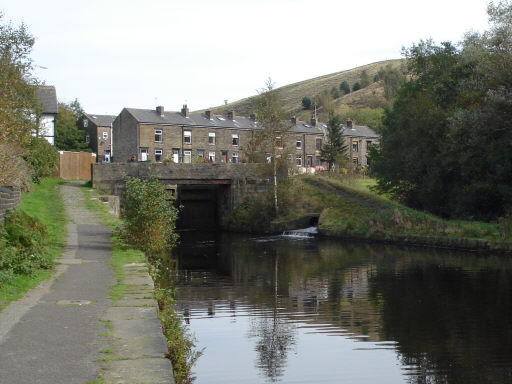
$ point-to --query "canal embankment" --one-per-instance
(347, 213)
(70, 330)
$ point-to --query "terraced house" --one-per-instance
(184, 137)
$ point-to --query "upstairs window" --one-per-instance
(211, 138)
(86, 123)
(279, 142)
(318, 144)
(105, 135)
(235, 139)
(187, 137)
(298, 144)
(158, 135)
(355, 146)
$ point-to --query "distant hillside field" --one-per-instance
(291, 95)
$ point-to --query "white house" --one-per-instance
(48, 99)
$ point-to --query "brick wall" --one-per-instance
(9, 199)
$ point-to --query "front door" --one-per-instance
(224, 156)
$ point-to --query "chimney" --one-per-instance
(209, 114)
(294, 120)
(252, 116)
(349, 124)
(160, 110)
(231, 115)
(184, 110)
(313, 121)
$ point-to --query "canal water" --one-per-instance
(290, 310)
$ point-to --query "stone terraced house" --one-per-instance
(184, 137)
(98, 134)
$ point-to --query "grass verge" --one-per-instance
(45, 204)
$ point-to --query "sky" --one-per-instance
(112, 54)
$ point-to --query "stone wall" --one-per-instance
(238, 180)
(9, 199)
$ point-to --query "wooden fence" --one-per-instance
(75, 165)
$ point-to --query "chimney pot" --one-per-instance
(313, 121)
(294, 120)
(160, 110)
(184, 110)
(208, 114)
(349, 123)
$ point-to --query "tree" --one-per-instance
(344, 87)
(356, 87)
(335, 93)
(67, 135)
(306, 102)
(365, 79)
(270, 142)
(42, 158)
(335, 146)
(446, 145)
(18, 103)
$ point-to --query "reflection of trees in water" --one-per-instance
(275, 336)
(452, 326)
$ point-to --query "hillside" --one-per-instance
(292, 94)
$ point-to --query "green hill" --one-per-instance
(292, 94)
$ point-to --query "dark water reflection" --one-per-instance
(303, 311)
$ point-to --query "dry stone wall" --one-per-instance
(9, 200)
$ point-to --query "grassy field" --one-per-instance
(45, 204)
(292, 94)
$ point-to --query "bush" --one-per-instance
(356, 87)
(150, 216)
(42, 158)
(23, 246)
(306, 102)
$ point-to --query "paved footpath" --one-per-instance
(56, 333)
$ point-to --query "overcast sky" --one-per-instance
(112, 54)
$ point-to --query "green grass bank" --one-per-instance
(348, 209)
(31, 240)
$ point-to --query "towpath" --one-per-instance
(58, 331)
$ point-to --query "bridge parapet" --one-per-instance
(238, 180)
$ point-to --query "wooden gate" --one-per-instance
(75, 165)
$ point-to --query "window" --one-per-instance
(234, 157)
(86, 123)
(234, 139)
(355, 160)
(87, 139)
(318, 144)
(158, 155)
(298, 144)
(211, 138)
(200, 153)
(368, 144)
(175, 155)
(187, 157)
(298, 160)
(279, 142)
(105, 135)
(318, 160)
(187, 137)
(355, 146)
(158, 135)
(211, 156)
(143, 154)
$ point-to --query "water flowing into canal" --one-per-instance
(305, 310)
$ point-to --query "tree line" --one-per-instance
(446, 144)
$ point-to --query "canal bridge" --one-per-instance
(207, 192)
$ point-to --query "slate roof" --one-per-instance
(150, 116)
(307, 128)
(100, 120)
(358, 131)
(48, 98)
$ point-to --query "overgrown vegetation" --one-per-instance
(446, 145)
(149, 222)
(32, 237)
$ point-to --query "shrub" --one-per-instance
(42, 158)
(150, 216)
(306, 102)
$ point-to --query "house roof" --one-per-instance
(150, 116)
(358, 131)
(308, 128)
(101, 120)
(48, 98)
